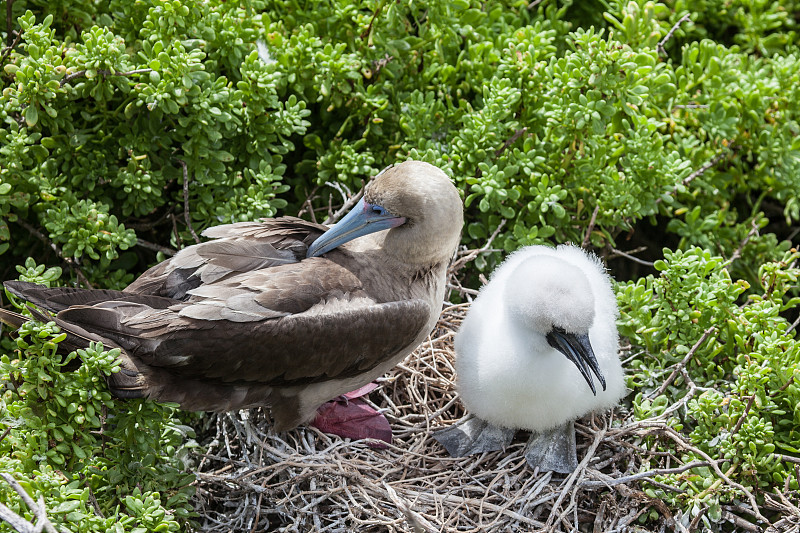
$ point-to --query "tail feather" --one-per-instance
(10, 318)
(125, 384)
(56, 299)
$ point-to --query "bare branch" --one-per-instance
(668, 36)
(626, 255)
(187, 216)
(738, 252)
(38, 508)
(679, 440)
(794, 325)
(590, 227)
(156, 247)
(697, 173)
(606, 481)
(7, 50)
(744, 415)
(510, 141)
(104, 73)
(472, 254)
(5, 433)
(348, 205)
(682, 364)
(690, 106)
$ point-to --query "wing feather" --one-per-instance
(239, 247)
(292, 350)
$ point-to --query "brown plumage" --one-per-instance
(247, 319)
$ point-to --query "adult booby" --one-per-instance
(278, 313)
(537, 350)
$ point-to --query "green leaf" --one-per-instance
(31, 115)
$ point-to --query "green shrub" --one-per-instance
(740, 389)
(100, 463)
(130, 126)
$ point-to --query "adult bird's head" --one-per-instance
(417, 202)
(554, 299)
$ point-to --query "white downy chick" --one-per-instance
(537, 350)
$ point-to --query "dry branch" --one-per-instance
(17, 522)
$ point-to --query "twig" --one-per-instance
(104, 73)
(460, 288)
(697, 173)
(668, 36)
(740, 522)
(348, 205)
(681, 441)
(682, 364)
(510, 141)
(700, 171)
(696, 520)
(738, 252)
(472, 254)
(794, 325)
(783, 387)
(95, 504)
(744, 415)
(70, 262)
(308, 206)
(7, 50)
(417, 521)
(187, 216)
(690, 106)
(633, 258)
(590, 227)
(379, 64)
(368, 30)
(641, 475)
(534, 3)
(175, 230)
(5, 433)
(38, 509)
(156, 247)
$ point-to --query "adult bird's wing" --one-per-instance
(289, 324)
(293, 350)
(236, 248)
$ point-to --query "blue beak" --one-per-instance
(362, 220)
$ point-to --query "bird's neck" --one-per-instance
(418, 250)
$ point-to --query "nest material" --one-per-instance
(252, 479)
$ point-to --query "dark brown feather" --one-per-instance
(56, 299)
(239, 247)
(292, 350)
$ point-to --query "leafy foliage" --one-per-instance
(624, 124)
(739, 392)
(87, 453)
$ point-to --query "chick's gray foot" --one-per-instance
(553, 450)
(472, 435)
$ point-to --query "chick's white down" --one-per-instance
(508, 374)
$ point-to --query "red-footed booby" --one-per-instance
(541, 331)
(280, 313)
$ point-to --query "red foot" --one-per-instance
(350, 417)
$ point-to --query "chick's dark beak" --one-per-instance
(577, 349)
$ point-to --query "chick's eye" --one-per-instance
(378, 210)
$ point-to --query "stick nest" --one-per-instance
(252, 479)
